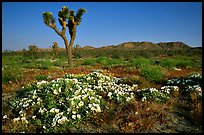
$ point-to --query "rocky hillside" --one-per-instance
(138, 45)
(173, 45)
(149, 46)
(134, 45)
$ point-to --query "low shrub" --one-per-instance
(41, 77)
(89, 61)
(109, 61)
(140, 62)
(11, 75)
(169, 63)
(152, 74)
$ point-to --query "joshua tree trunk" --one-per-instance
(70, 59)
(73, 36)
(68, 47)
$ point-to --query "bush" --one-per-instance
(11, 75)
(153, 74)
(89, 61)
(108, 61)
(169, 63)
(179, 62)
(140, 62)
(41, 77)
(102, 60)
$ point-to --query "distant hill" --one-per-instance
(173, 45)
(136, 46)
(88, 47)
(149, 46)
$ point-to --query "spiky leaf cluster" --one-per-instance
(79, 14)
(63, 15)
(76, 18)
(48, 18)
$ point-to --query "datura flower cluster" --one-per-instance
(75, 97)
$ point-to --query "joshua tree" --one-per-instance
(55, 48)
(32, 49)
(73, 21)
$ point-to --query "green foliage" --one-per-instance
(41, 77)
(153, 74)
(89, 61)
(140, 62)
(38, 65)
(169, 63)
(109, 61)
(180, 61)
(64, 13)
(11, 75)
(79, 14)
(48, 18)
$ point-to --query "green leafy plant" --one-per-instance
(89, 61)
(140, 62)
(41, 77)
(153, 74)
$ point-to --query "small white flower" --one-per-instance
(81, 103)
(73, 116)
(74, 112)
(109, 94)
(143, 99)
(68, 109)
(25, 105)
(44, 127)
(16, 119)
(78, 116)
(60, 89)
(33, 117)
(55, 92)
(5, 117)
(98, 109)
(22, 113)
(34, 96)
(23, 119)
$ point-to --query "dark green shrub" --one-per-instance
(12, 75)
(185, 64)
(102, 60)
(140, 62)
(41, 77)
(89, 61)
(169, 63)
(152, 74)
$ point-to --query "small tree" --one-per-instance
(77, 51)
(32, 49)
(73, 21)
(55, 48)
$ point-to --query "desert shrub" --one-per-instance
(109, 61)
(183, 61)
(153, 74)
(184, 64)
(38, 65)
(59, 63)
(11, 75)
(102, 60)
(41, 77)
(131, 80)
(89, 61)
(140, 62)
(168, 63)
